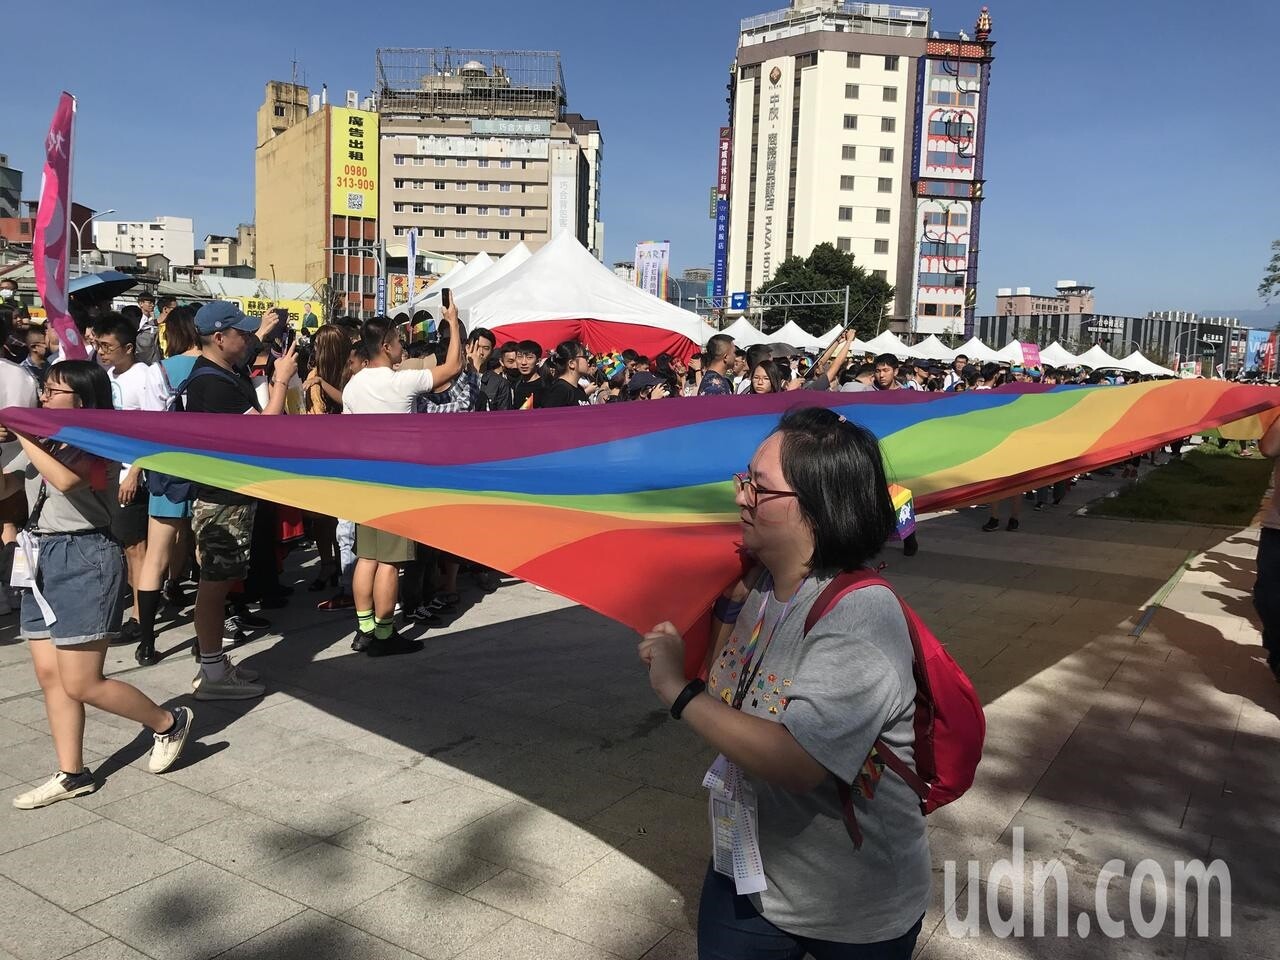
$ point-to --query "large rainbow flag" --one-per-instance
(628, 508)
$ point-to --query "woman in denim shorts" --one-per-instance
(79, 576)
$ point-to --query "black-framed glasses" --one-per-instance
(742, 483)
(48, 391)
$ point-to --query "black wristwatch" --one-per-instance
(691, 690)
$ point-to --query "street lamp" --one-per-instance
(1177, 352)
(679, 290)
(80, 240)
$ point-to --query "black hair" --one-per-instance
(970, 376)
(148, 296)
(360, 352)
(89, 381)
(418, 349)
(440, 344)
(482, 333)
(494, 363)
(560, 358)
(118, 325)
(757, 352)
(721, 345)
(166, 302)
(771, 371)
(375, 332)
(131, 313)
(836, 469)
(960, 356)
(990, 371)
(630, 356)
(887, 358)
(907, 370)
(865, 370)
(531, 347)
(509, 347)
(6, 323)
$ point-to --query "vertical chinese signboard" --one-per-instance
(721, 262)
(353, 163)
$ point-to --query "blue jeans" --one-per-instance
(730, 928)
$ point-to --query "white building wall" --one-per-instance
(172, 236)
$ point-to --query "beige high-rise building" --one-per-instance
(860, 125)
(478, 154)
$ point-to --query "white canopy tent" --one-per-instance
(1056, 355)
(829, 337)
(1096, 358)
(473, 287)
(745, 333)
(931, 348)
(564, 293)
(454, 278)
(888, 342)
(977, 351)
(1140, 364)
(792, 333)
(1011, 352)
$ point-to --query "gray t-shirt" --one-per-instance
(836, 690)
(88, 507)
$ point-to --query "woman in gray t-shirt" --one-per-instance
(72, 608)
(794, 715)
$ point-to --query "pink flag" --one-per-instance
(53, 229)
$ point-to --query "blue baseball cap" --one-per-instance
(219, 315)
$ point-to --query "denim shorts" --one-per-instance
(81, 577)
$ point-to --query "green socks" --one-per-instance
(382, 629)
(364, 621)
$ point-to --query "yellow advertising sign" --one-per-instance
(298, 309)
(399, 288)
(353, 162)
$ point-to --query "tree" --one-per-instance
(1270, 285)
(826, 268)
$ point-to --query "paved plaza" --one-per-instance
(516, 791)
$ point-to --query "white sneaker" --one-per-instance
(168, 746)
(60, 786)
(236, 685)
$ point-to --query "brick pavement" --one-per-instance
(515, 791)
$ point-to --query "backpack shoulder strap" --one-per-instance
(837, 589)
(198, 372)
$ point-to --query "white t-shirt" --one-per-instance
(17, 389)
(131, 390)
(383, 390)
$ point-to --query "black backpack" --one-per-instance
(175, 489)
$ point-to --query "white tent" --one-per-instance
(1095, 358)
(1140, 364)
(977, 351)
(564, 293)
(454, 278)
(792, 333)
(745, 333)
(1011, 352)
(931, 348)
(887, 342)
(474, 286)
(1056, 355)
(829, 337)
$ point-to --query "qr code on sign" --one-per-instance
(355, 201)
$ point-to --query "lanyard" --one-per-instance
(748, 675)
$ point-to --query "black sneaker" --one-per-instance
(360, 642)
(130, 632)
(251, 621)
(992, 524)
(422, 614)
(233, 631)
(394, 646)
(1011, 525)
(173, 594)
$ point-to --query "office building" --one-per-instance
(858, 124)
(316, 196)
(479, 155)
(10, 190)
(1071, 297)
(172, 236)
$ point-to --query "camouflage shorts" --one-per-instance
(223, 532)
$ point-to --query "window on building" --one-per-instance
(419, 161)
(419, 208)
(460, 210)
(504, 234)
(504, 211)
(853, 60)
(438, 232)
(461, 162)
(399, 183)
(947, 159)
(460, 234)
(844, 244)
(400, 159)
(880, 274)
(419, 184)
(461, 185)
(482, 211)
(482, 163)
(941, 279)
(890, 94)
(888, 124)
(886, 154)
(441, 208)
(851, 91)
(846, 182)
(848, 152)
(399, 231)
(504, 188)
(885, 184)
(883, 215)
(504, 164)
(441, 161)
(850, 121)
(398, 207)
(279, 111)
(439, 184)
(482, 187)
(882, 246)
(846, 214)
(482, 234)
(807, 60)
(891, 63)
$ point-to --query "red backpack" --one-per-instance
(949, 723)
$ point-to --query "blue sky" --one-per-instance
(1129, 146)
